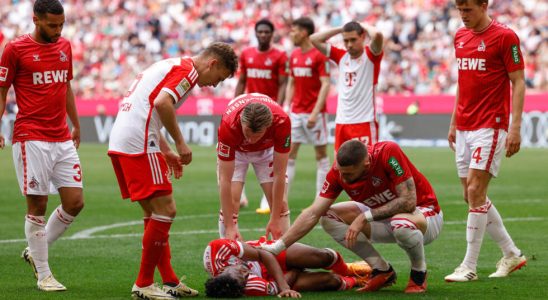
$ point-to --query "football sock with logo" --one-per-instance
(291, 163)
(58, 223)
(164, 265)
(322, 166)
(475, 229)
(222, 229)
(35, 232)
(363, 247)
(411, 240)
(155, 239)
(497, 231)
(338, 265)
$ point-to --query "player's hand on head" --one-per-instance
(289, 294)
(354, 230)
(185, 153)
(75, 136)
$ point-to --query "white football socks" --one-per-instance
(497, 231)
(222, 229)
(291, 163)
(321, 171)
(58, 222)
(410, 239)
(35, 232)
(475, 229)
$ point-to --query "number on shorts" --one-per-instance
(477, 155)
(78, 176)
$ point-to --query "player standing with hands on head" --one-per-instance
(263, 69)
(254, 130)
(144, 162)
(39, 65)
(488, 58)
(359, 68)
(307, 91)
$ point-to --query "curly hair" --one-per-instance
(225, 54)
(224, 286)
(256, 116)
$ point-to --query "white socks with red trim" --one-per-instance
(222, 229)
(323, 168)
(35, 232)
(410, 239)
(475, 229)
(499, 234)
(58, 222)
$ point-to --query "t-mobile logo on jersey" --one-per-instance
(350, 78)
(47, 77)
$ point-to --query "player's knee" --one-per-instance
(406, 234)
(74, 207)
(476, 195)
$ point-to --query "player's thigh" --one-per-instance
(263, 162)
(434, 224)
(67, 171)
(317, 135)
(484, 148)
(303, 256)
(316, 281)
(298, 132)
(346, 211)
(33, 167)
(376, 231)
(241, 163)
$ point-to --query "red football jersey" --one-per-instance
(389, 167)
(231, 137)
(306, 70)
(39, 74)
(263, 70)
(484, 60)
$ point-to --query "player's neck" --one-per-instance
(263, 47)
(306, 46)
(483, 24)
(38, 38)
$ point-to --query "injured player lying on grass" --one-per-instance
(242, 269)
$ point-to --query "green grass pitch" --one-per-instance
(103, 262)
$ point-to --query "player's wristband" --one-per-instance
(276, 248)
(368, 216)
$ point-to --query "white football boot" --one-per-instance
(462, 274)
(505, 266)
(151, 292)
(50, 284)
(28, 258)
(181, 290)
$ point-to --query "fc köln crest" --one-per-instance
(376, 181)
(268, 62)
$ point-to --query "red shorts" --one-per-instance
(142, 177)
(366, 132)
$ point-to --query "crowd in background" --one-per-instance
(114, 40)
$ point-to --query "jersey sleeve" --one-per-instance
(257, 286)
(282, 136)
(334, 53)
(395, 163)
(8, 65)
(376, 60)
(511, 52)
(283, 67)
(225, 146)
(179, 81)
(331, 188)
(70, 62)
(243, 67)
(324, 69)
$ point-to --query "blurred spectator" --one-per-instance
(115, 39)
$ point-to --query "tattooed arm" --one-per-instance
(405, 203)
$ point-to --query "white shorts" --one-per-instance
(44, 167)
(262, 162)
(381, 231)
(301, 134)
(480, 149)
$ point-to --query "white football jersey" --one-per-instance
(356, 85)
(137, 126)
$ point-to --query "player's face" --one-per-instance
(240, 272)
(354, 43)
(471, 13)
(250, 136)
(49, 27)
(297, 35)
(264, 34)
(215, 73)
(351, 174)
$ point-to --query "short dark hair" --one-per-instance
(478, 2)
(305, 23)
(353, 26)
(225, 54)
(266, 22)
(256, 116)
(43, 7)
(351, 153)
(224, 286)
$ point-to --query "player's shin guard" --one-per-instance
(35, 232)
(58, 223)
(410, 239)
(499, 234)
(222, 229)
(155, 239)
(475, 229)
(321, 171)
(164, 265)
(363, 247)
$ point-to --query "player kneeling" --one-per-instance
(239, 269)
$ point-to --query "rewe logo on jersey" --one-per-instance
(473, 64)
(379, 198)
(259, 73)
(47, 77)
(302, 72)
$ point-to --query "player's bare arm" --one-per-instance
(282, 85)
(226, 170)
(322, 97)
(319, 39)
(513, 140)
(166, 110)
(278, 192)
(289, 92)
(404, 203)
(3, 99)
(377, 39)
(452, 135)
(272, 266)
(73, 116)
(172, 159)
(240, 87)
